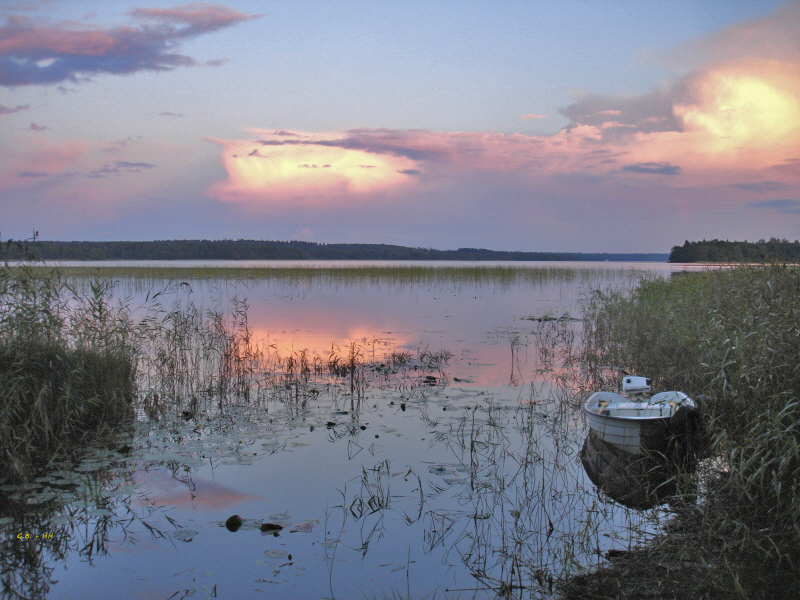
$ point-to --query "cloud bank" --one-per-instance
(737, 113)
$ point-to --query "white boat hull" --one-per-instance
(633, 426)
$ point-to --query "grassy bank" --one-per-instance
(732, 335)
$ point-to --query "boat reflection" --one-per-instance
(637, 481)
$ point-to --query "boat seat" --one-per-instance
(638, 409)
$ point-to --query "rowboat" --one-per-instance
(638, 422)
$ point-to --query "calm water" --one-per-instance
(451, 481)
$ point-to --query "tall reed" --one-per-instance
(67, 367)
(732, 335)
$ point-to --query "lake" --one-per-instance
(440, 459)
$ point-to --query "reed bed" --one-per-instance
(501, 275)
(731, 337)
(67, 367)
(77, 362)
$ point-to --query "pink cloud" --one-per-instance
(740, 117)
(277, 166)
(532, 116)
(198, 17)
(44, 158)
(31, 54)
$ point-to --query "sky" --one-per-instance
(548, 125)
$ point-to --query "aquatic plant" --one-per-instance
(67, 367)
(455, 276)
(732, 337)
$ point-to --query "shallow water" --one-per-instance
(457, 480)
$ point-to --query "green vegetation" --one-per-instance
(718, 251)
(277, 250)
(67, 368)
(733, 336)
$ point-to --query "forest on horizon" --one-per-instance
(291, 250)
(724, 251)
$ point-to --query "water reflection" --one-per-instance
(439, 456)
(473, 310)
(79, 512)
(636, 482)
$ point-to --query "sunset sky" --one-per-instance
(547, 125)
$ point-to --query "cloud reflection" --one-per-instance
(161, 488)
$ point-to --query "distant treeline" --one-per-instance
(725, 251)
(271, 250)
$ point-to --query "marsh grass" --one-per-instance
(731, 336)
(77, 362)
(145, 277)
(195, 363)
(67, 367)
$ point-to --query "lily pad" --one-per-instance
(184, 535)
(280, 517)
(61, 520)
(304, 527)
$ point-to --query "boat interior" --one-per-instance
(635, 409)
(614, 405)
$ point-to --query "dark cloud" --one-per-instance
(166, 113)
(376, 141)
(134, 165)
(781, 205)
(620, 117)
(35, 127)
(7, 110)
(285, 133)
(119, 167)
(410, 172)
(647, 112)
(40, 55)
(764, 186)
(282, 142)
(31, 174)
(653, 168)
(387, 141)
(103, 171)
